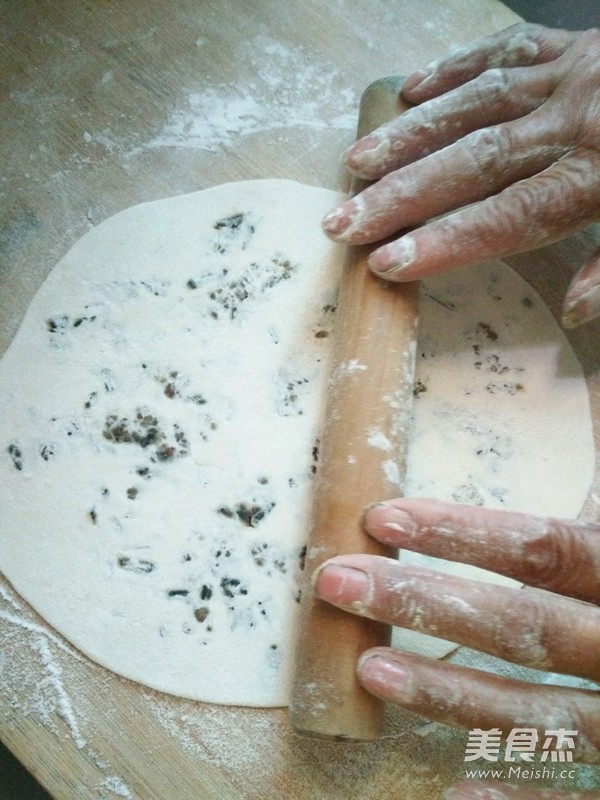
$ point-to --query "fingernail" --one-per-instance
(581, 310)
(416, 79)
(384, 675)
(339, 219)
(385, 521)
(368, 152)
(343, 586)
(365, 145)
(394, 257)
(574, 315)
(582, 300)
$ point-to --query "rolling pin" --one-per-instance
(362, 460)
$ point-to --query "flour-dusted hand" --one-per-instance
(505, 142)
(553, 624)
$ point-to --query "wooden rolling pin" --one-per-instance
(362, 460)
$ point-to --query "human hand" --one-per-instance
(507, 130)
(554, 626)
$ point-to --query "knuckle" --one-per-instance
(581, 713)
(532, 29)
(563, 559)
(407, 604)
(540, 209)
(521, 632)
(544, 555)
(549, 558)
(571, 187)
(521, 49)
(489, 150)
(495, 84)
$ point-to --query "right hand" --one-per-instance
(505, 136)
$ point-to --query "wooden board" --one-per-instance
(110, 104)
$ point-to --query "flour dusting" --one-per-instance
(37, 679)
(53, 695)
(48, 699)
(288, 89)
(216, 732)
(116, 787)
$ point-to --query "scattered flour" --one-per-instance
(281, 89)
(37, 687)
(391, 472)
(52, 694)
(289, 88)
(353, 366)
(213, 731)
(47, 698)
(379, 441)
(115, 786)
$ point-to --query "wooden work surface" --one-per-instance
(107, 104)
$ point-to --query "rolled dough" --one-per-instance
(501, 416)
(159, 415)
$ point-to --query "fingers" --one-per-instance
(519, 45)
(471, 699)
(582, 301)
(496, 96)
(478, 790)
(531, 628)
(525, 179)
(533, 166)
(470, 91)
(562, 556)
(531, 213)
(480, 164)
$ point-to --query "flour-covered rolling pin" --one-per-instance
(362, 461)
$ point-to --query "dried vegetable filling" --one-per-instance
(160, 411)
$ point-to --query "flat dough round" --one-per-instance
(159, 410)
(500, 400)
(501, 417)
